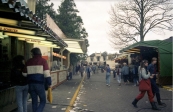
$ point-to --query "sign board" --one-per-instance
(33, 40)
(16, 30)
(53, 26)
(62, 76)
(8, 29)
(54, 78)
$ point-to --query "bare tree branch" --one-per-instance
(133, 19)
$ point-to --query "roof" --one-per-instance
(169, 39)
(163, 46)
(24, 18)
(164, 49)
(76, 45)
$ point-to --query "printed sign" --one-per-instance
(33, 40)
(17, 30)
(8, 29)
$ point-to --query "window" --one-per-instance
(98, 58)
(104, 58)
(91, 58)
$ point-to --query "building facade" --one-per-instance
(97, 58)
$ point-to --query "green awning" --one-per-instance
(164, 48)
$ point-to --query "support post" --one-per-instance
(68, 56)
(61, 52)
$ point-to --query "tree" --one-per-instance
(83, 56)
(71, 25)
(69, 22)
(43, 7)
(104, 54)
(92, 55)
(131, 19)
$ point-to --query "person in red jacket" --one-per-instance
(38, 74)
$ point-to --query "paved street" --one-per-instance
(96, 96)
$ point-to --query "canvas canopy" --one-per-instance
(164, 49)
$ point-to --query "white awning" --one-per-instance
(73, 46)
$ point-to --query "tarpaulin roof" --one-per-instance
(164, 52)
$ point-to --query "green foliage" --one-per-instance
(71, 25)
(104, 54)
(87, 43)
(42, 7)
(69, 22)
(92, 55)
(74, 58)
(83, 56)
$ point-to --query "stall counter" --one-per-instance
(58, 77)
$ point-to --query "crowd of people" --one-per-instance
(80, 69)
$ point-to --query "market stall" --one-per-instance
(20, 31)
(161, 49)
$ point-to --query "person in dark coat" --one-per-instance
(153, 70)
(18, 80)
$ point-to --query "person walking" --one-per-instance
(97, 69)
(125, 72)
(144, 79)
(70, 70)
(94, 68)
(88, 71)
(114, 72)
(108, 73)
(131, 67)
(38, 75)
(135, 74)
(152, 69)
(20, 82)
(81, 70)
(76, 69)
(118, 73)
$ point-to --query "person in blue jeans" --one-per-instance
(135, 74)
(108, 73)
(125, 72)
(70, 70)
(38, 76)
(18, 80)
(88, 71)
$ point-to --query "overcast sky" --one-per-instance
(95, 15)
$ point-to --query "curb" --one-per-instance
(168, 88)
(74, 96)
